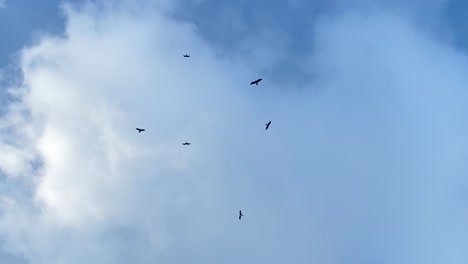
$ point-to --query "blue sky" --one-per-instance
(21, 20)
(364, 161)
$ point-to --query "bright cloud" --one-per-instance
(364, 165)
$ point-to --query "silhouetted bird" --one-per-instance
(256, 81)
(240, 214)
(267, 125)
(187, 56)
(186, 143)
(140, 130)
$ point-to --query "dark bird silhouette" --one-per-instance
(187, 56)
(267, 125)
(256, 81)
(140, 130)
(186, 143)
(240, 214)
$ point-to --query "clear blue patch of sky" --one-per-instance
(19, 22)
(456, 14)
(21, 18)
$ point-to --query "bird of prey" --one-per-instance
(140, 130)
(267, 125)
(256, 81)
(187, 56)
(240, 214)
(186, 143)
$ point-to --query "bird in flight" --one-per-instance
(140, 130)
(187, 56)
(240, 214)
(186, 143)
(256, 81)
(267, 125)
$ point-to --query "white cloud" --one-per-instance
(364, 166)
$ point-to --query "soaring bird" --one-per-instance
(140, 130)
(267, 125)
(256, 81)
(186, 143)
(187, 56)
(240, 214)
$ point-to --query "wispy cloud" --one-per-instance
(365, 164)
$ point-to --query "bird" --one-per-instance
(186, 143)
(267, 125)
(140, 130)
(240, 214)
(187, 56)
(256, 81)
